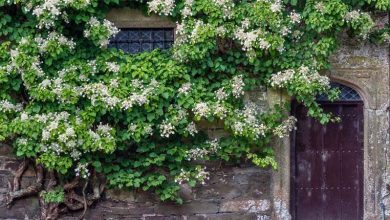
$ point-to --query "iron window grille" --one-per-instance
(137, 40)
(346, 93)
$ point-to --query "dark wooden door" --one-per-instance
(327, 164)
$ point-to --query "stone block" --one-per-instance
(28, 207)
(227, 216)
(120, 195)
(133, 18)
(189, 208)
(245, 206)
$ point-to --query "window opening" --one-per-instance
(137, 40)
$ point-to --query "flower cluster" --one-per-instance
(250, 39)
(226, 6)
(99, 92)
(100, 32)
(167, 129)
(63, 134)
(360, 22)
(286, 127)
(187, 11)
(248, 122)
(82, 170)
(197, 153)
(238, 86)
(53, 40)
(295, 17)
(7, 106)
(200, 174)
(276, 6)
(112, 67)
(191, 129)
(185, 88)
(303, 75)
(162, 7)
(221, 95)
(50, 10)
(201, 109)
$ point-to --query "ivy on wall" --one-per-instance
(87, 116)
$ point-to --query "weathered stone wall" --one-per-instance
(365, 67)
(231, 193)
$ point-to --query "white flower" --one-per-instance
(281, 78)
(320, 7)
(166, 129)
(22, 141)
(352, 15)
(191, 129)
(276, 6)
(162, 7)
(201, 175)
(23, 116)
(221, 31)
(75, 154)
(82, 170)
(52, 125)
(238, 86)
(220, 111)
(220, 94)
(196, 153)
(45, 135)
(201, 109)
(214, 145)
(63, 138)
(295, 17)
(186, 12)
(185, 88)
(54, 38)
(112, 67)
(304, 74)
(245, 23)
(70, 132)
(136, 83)
(7, 106)
(148, 130)
(104, 129)
(114, 83)
(287, 126)
(247, 39)
(238, 127)
(94, 23)
(45, 83)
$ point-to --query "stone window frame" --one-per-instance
(134, 18)
(128, 18)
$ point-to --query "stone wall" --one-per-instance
(231, 193)
(365, 67)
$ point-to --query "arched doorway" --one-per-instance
(327, 161)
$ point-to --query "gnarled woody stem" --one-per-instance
(72, 200)
(18, 174)
(30, 190)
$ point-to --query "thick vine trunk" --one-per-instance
(47, 181)
(35, 188)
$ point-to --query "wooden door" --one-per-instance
(327, 164)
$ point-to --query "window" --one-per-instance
(346, 93)
(136, 40)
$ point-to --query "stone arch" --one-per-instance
(367, 101)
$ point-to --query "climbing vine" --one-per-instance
(88, 117)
